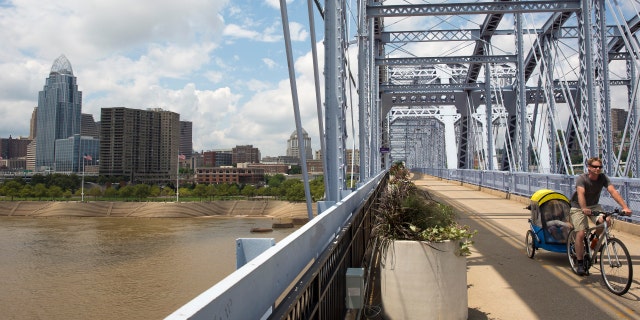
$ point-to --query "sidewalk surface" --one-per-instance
(505, 284)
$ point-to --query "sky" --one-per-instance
(220, 64)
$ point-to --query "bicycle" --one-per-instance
(615, 262)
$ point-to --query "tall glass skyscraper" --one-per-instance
(59, 112)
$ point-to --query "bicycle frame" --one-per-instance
(616, 265)
(602, 238)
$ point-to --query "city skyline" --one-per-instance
(221, 65)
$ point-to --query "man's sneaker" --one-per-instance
(580, 270)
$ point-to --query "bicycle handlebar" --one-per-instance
(615, 212)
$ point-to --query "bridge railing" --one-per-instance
(525, 184)
(303, 275)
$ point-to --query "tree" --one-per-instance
(295, 191)
(185, 192)
(142, 191)
(292, 190)
(56, 192)
(26, 191)
(222, 190)
(200, 191)
(234, 190)
(276, 180)
(295, 170)
(316, 187)
(110, 192)
(95, 192)
(211, 191)
(155, 191)
(40, 190)
(125, 192)
(249, 191)
(168, 191)
(12, 188)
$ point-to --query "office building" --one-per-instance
(293, 145)
(242, 154)
(230, 175)
(618, 120)
(11, 148)
(59, 112)
(217, 158)
(186, 139)
(292, 161)
(76, 152)
(140, 145)
(89, 127)
(33, 124)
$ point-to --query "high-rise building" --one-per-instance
(217, 158)
(89, 127)
(140, 145)
(59, 112)
(73, 152)
(293, 145)
(33, 125)
(242, 154)
(11, 148)
(186, 138)
(618, 119)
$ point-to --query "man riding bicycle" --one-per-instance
(586, 199)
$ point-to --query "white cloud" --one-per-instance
(237, 31)
(269, 63)
(298, 32)
(276, 3)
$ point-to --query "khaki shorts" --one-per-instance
(579, 219)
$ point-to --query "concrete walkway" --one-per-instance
(505, 284)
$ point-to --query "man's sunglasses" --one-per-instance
(597, 167)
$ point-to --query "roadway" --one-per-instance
(505, 284)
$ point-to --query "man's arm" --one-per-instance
(618, 198)
(582, 201)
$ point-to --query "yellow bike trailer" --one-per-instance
(549, 223)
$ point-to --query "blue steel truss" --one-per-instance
(537, 86)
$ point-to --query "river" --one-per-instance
(114, 268)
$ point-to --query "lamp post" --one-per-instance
(178, 181)
(180, 157)
(84, 158)
(82, 186)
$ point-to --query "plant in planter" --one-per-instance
(405, 212)
(408, 222)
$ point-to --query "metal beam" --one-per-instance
(471, 8)
(445, 60)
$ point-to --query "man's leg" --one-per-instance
(580, 224)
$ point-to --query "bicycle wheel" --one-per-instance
(571, 251)
(530, 244)
(616, 267)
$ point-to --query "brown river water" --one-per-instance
(115, 268)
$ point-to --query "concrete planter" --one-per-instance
(420, 282)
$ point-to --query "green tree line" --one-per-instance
(59, 187)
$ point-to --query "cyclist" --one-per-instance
(586, 199)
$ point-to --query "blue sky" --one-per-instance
(220, 64)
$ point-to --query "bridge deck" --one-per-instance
(505, 284)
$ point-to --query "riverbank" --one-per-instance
(238, 208)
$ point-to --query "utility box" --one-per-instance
(355, 288)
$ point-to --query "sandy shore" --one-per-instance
(242, 208)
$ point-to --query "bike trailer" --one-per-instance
(550, 218)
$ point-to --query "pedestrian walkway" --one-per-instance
(505, 284)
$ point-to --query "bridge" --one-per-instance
(510, 96)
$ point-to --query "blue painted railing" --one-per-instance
(326, 244)
(525, 184)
